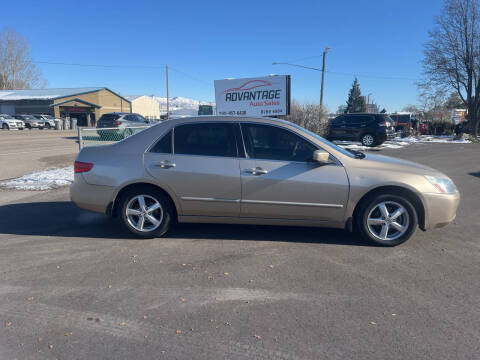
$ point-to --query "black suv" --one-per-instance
(369, 129)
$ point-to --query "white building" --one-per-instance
(145, 105)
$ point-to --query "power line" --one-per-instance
(100, 65)
(349, 74)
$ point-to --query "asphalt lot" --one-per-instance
(24, 151)
(74, 285)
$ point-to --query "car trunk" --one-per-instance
(108, 120)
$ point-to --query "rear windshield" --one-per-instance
(109, 117)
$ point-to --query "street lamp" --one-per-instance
(327, 49)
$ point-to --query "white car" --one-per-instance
(7, 122)
(49, 120)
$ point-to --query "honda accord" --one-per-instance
(258, 171)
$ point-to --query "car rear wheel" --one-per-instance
(47, 126)
(368, 140)
(28, 126)
(146, 212)
(387, 220)
(5, 127)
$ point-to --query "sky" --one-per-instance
(379, 41)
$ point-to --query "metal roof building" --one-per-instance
(85, 104)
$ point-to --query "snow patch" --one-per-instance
(398, 142)
(41, 180)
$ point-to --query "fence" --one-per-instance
(105, 136)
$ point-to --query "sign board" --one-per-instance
(261, 96)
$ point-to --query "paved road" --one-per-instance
(22, 152)
(78, 282)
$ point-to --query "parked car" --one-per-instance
(122, 122)
(425, 128)
(7, 122)
(48, 119)
(403, 122)
(31, 121)
(369, 129)
(257, 171)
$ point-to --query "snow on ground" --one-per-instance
(398, 142)
(41, 180)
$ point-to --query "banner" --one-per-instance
(261, 96)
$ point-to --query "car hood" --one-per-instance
(381, 162)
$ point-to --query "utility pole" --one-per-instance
(327, 49)
(168, 109)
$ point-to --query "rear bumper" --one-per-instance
(91, 197)
(441, 209)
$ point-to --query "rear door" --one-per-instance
(337, 128)
(279, 181)
(202, 170)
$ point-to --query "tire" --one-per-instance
(373, 230)
(47, 126)
(5, 127)
(164, 214)
(368, 140)
(28, 126)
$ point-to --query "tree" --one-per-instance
(454, 101)
(452, 54)
(17, 70)
(309, 116)
(356, 102)
(411, 109)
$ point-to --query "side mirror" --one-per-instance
(321, 157)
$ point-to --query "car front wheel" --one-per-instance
(5, 127)
(387, 220)
(146, 212)
(368, 140)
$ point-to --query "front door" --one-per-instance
(279, 181)
(202, 170)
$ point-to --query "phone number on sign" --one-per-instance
(270, 112)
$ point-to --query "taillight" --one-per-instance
(383, 123)
(118, 123)
(80, 167)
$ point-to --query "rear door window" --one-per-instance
(207, 139)
(164, 145)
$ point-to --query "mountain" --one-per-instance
(180, 106)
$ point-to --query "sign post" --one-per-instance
(262, 96)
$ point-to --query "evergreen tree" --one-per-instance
(356, 102)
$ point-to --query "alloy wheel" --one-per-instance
(388, 220)
(144, 213)
(368, 140)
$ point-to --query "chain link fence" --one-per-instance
(105, 136)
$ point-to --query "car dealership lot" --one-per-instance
(76, 285)
(24, 151)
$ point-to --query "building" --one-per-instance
(145, 105)
(84, 104)
(372, 108)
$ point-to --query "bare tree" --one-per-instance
(452, 55)
(17, 70)
(309, 116)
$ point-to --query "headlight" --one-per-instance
(443, 185)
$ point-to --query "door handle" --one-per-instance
(256, 171)
(165, 164)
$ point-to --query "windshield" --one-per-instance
(326, 142)
(28, 117)
(47, 116)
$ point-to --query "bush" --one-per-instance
(309, 116)
(442, 127)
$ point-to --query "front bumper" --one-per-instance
(91, 197)
(441, 209)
